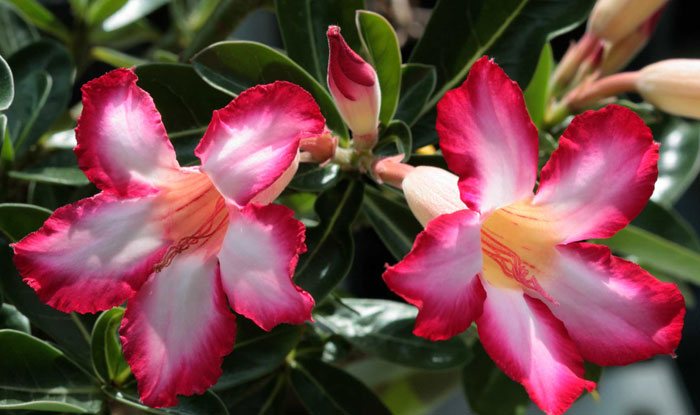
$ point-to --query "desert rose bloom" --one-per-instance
(513, 262)
(181, 244)
(355, 89)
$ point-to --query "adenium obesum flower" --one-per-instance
(181, 244)
(494, 253)
(355, 89)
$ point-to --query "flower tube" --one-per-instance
(672, 85)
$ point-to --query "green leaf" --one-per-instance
(324, 389)
(395, 139)
(235, 66)
(460, 32)
(36, 376)
(423, 130)
(256, 353)
(131, 12)
(18, 219)
(7, 87)
(537, 92)
(303, 24)
(384, 328)
(392, 220)
(42, 57)
(207, 403)
(24, 113)
(315, 178)
(669, 224)
(41, 17)
(679, 158)
(381, 42)
(518, 49)
(15, 32)
(107, 357)
(69, 331)
(184, 101)
(67, 176)
(3, 136)
(417, 84)
(262, 397)
(100, 10)
(10, 318)
(488, 390)
(330, 244)
(114, 57)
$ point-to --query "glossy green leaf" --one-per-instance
(256, 353)
(668, 224)
(7, 87)
(325, 389)
(330, 244)
(679, 158)
(37, 376)
(384, 328)
(314, 178)
(11, 318)
(489, 391)
(262, 397)
(107, 357)
(395, 139)
(68, 331)
(381, 43)
(207, 403)
(99, 10)
(235, 66)
(392, 220)
(460, 32)
(15, 32)
(518, 49)
(417, 85)
(132, 11)
(4, 136)
(18, 219)
(68, 176)
(537, 92)
(24, 115)
(303, 24)
(41, 17)
(48, 57)
(423, 130)
(114, 57)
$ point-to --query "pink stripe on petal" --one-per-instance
(532, 347)
(252, 141)
(616, 312)
(177, 329)
(601, 175)
(122, 143)
(488, 139)
(94, 254)
(439, 275)
(258, 257)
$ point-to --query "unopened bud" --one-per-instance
(355, 89)
(620, 53)
(613, 20)
(431, 192)
(673, 86)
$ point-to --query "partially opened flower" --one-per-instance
(181, 244)
(513, 262)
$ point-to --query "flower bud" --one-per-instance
(355, 89)
(620, 53)
(431, 192)
(672, 85)
(613, 20)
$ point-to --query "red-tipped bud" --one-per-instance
(355, 89)
(621, 53)
(673, 86)
(613, 20)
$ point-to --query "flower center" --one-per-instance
(195, 215)
(517, 247)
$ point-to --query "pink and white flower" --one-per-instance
(181, 244)
(494, 253)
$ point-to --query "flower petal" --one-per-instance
(488, 139)
(431, 192)
(258, 258)
(439, 275)
(177, 329)
(122, 143)
(601, 176)
(616, 312)
(532, 347)
(254, 139)
(92, 255)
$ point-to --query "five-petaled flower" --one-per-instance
(181, 244)
(494, 253)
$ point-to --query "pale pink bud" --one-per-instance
(431, 192)
(621, 52)
(672, 85)
(355, 89)
(613, 20)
